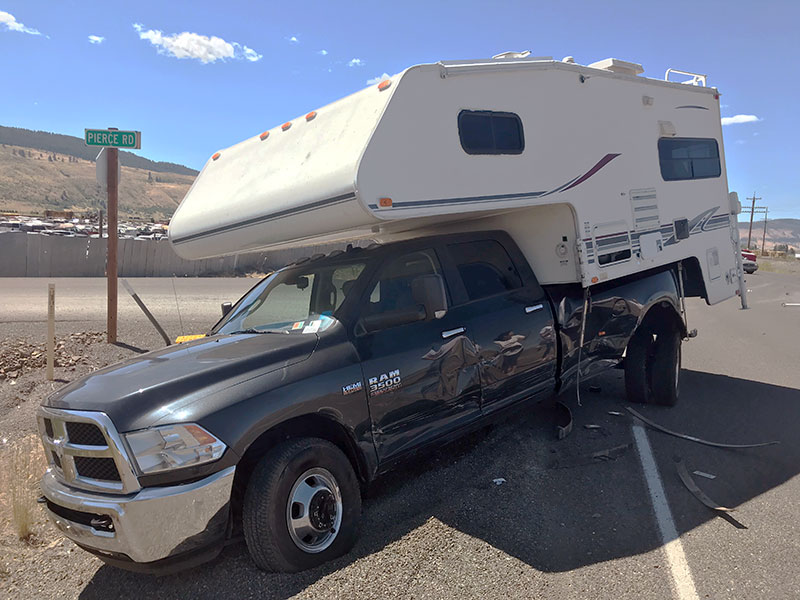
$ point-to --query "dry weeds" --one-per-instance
(21, 466)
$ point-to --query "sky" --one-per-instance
(199, 76)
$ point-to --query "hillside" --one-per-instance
(32, 181)
(74, 146)
(779, 231)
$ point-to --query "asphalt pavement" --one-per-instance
(510, 512)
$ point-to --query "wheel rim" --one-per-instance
(314, 510)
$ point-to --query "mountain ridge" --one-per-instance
(69, 145)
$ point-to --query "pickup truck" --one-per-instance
(325, 375)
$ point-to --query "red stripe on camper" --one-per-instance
(600, 164)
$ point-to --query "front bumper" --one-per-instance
(150, 525)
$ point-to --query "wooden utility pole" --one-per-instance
(752, 212)
(110, 140)
(764, 237)
(112, 156)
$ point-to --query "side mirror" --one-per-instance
(428, 290)
(226, 308)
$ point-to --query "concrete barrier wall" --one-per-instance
(32, 255)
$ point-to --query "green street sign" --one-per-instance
(111, 138)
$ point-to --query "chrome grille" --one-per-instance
(85, 434)
(97, 468)
(85, 450)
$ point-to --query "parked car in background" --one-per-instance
(749, 264)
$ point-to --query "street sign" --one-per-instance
(111, 138)
(101, 169)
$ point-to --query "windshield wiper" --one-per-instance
(252, 330)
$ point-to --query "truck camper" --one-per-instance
(536, 222)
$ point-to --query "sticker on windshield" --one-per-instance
(312, 327)
(298, 325)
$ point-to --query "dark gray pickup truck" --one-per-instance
(324, 376)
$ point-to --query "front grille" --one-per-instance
(97, 468)
(85, 434)
(85, 451)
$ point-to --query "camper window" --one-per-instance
(688, 158)
(488, 132)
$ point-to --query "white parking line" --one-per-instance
(683, 584)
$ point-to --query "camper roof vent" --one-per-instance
(616, 65)
(511, 54)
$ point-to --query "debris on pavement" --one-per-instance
(615, 413)
(563, 420)
(702, 474)
(691, 438)
(591, 426)
(611, 453)
(696, 491)
(499, 481)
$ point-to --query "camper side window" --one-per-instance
(488, 132)
(688, 158)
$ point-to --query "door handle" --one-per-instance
(534, 308)
(451, 332)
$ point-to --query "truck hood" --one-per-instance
(138, 392)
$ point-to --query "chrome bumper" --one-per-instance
(149, 525)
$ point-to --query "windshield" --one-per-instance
(299, 300)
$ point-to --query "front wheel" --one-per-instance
(653, 364)
(301, 506)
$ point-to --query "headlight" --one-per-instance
(172, 447)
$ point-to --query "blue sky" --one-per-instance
(198, 76)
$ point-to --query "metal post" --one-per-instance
(764, 237)
(101, 224)
(112, 156)
(51, 329)
(752, 212)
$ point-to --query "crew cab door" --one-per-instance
(507, 316)
(420, 371)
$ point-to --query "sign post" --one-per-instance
(111, 140)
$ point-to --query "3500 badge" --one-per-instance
(386, 382)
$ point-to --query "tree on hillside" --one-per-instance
(149, 177)
(64, 197)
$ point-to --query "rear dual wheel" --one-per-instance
(653, 363)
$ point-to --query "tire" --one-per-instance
(320, 525)
(652, 364)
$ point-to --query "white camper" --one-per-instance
(595, 171)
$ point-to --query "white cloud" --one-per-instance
(12, 24)
(323, 52)
(293, 39)
(193, 45)
(356, 62)
(96, 39)
(377, 79)
(736, 119)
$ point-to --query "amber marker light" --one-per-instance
(385, 203)
(310, 116)
(216, 156)
(595, 280)
(384, 84)
(264, 135)
(286, 126)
